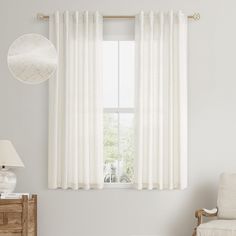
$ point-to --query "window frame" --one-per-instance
(119, 110)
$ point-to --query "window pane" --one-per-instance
(110, 147)
(118, 148)
(118, 72)
(126, 147)
(126, 72)
(110, 73)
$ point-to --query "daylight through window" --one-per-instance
(118, 90)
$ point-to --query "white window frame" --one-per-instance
(119, 110)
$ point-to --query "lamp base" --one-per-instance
(7, 181)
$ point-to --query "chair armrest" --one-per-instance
(212, 212)
(204, 212)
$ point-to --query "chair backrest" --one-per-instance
(226, 202)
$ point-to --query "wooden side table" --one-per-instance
(18, 217)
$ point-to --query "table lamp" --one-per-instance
(8, 159)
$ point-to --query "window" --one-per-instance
(118, 90)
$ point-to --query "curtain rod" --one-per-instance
(195, 16)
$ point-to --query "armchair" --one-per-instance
(225, 213)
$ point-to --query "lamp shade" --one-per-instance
(8, 155)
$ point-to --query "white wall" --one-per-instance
(212, 125)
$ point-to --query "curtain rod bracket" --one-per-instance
(41, 16)
(195, 16)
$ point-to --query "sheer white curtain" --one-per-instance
(161, 100)
(75, 102)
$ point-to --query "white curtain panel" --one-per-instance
(75, 102)
(161, 100)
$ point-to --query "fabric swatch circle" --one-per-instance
(32, 59)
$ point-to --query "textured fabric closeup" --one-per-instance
(32, 59)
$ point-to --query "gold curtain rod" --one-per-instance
(195, 16)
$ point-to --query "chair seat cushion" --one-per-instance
(217, 228)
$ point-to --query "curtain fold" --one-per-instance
(161, 100)
(75, 102)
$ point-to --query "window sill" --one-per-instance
(118, 186)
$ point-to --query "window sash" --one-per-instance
(118, 110)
